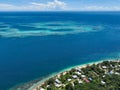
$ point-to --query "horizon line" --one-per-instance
(62, 11)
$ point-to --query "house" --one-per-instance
(58, 85)
(64, 73)
(75, 76)
(83, 76)
(111, 65)
(78, 69)
(118, 65)
(86, 80)
(116, 73)
(102, 82)
(80, 81)
(104, 67)
(58, 81)
(48, 85)
(103, 76)
(78, 73)
(69, 80)
(111, 72)
(42, 89)
(90, 79)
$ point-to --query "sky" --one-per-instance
(59, 5)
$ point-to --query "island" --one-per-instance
(104, 75)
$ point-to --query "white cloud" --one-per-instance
(34, 6)
(97, 8)
(6, 6)
(50, 5)
(102, 8)
(55, 5)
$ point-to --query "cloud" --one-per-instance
(96, 8)
(102, 8)
(34, 6)
(4, 6)
(56, 5)
(50, 5)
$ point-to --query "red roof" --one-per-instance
(86, 80)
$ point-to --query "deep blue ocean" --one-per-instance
(36, 44)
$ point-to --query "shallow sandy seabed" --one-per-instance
(51, 28)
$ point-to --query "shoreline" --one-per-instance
(39, 83)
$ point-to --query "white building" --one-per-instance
(78, 73)
(104, 67)
(80, 81)
(102, 82)
(83, 76)
(58, 85)
(42, 89)
(58, 81)
(75, 76)
(69, 80)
